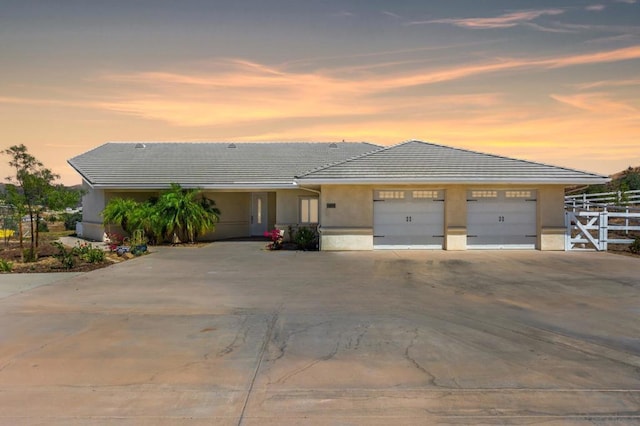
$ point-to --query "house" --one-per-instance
(361, 196)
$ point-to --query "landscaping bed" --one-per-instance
(79, 259)
(47, 261)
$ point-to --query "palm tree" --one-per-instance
(185, 213)
(118, 211)
(145, 216)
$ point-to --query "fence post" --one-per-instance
(567, 230)
(603, 231)
(626, 221)
(584, 201)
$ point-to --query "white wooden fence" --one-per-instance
(591, 229)
(591, 201)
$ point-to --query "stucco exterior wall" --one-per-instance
(235, 215)
(348, 225)
(288, 209)
(288, 206)
(550, 214)
(353, 206)
(93, 202)
(455, 218)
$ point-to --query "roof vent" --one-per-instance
(140, 146)
(232, 145)
(333, 145)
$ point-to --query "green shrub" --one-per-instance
(29, 255)
(65, 256)
(635, 246)
(70, 220)
(88, 253)
(6, 266)
(306, 238)
(42, 226)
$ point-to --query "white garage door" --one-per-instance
(408, 219)
(501, 219)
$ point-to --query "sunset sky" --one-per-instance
(550, 81)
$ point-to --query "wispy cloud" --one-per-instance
(548, 29)
(600, 103)
(595, 7)
(243, 91)
(597, 28)
(506, 20)
(391, 14)
(625, 1)
(14, 100)
(607, 83)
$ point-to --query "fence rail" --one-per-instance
(598, 200)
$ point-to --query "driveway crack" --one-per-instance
(263, 349)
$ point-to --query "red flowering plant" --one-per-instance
(114, 240)
(277, 237)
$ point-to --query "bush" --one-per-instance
(6, 266)
(66, 257)
(88, 253)
(42, 226)
(29, 255)
(277, 238)
(306, 238)
(70, 220)
(114, 240)
(635, 246)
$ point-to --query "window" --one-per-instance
(484, 194)
(425, 194)
(390, 195)
(308, 210)
(518, 194)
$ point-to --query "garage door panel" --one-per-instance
(408, 223)
(501, 221)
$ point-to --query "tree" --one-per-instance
(32, 191)
(631, 178)
(118, 211)
(147, 218)
(179, 212)
(186, 213)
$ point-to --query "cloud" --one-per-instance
(599, 103)
(626, 1)
(506, 20)
(44, 102)
(548, 29)
(595, 8)
(391, 14)
(607, 83)
(243, 91)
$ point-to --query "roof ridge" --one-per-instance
(335, 163)
(232, 141)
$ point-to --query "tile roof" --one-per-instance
(422, 162)
(208, 165)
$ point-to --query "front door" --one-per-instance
(258, 213)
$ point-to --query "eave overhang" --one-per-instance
(261, 186)
(455, 181)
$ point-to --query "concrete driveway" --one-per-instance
(229, 334)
